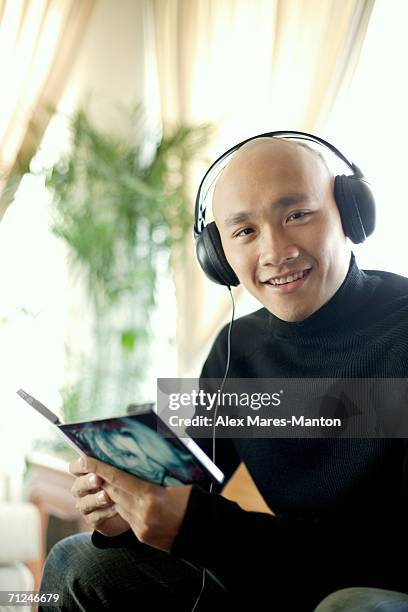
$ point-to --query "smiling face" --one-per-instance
(280, 227)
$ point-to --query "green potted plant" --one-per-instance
(119, 216)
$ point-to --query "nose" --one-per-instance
(275, 248)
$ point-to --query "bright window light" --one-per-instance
(371, 126)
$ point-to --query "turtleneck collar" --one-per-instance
(352, 294)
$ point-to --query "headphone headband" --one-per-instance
(200, 207)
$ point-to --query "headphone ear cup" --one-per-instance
(356, 205)
(211, 257)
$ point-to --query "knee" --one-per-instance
(344, 600)
(364, 599)
(67, 561)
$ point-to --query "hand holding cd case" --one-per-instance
(134, 443)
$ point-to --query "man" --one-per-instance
(340, 504)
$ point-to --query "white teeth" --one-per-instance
(288, 279)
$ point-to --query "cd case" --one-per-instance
(140, 443)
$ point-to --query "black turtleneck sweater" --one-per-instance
(340, 505)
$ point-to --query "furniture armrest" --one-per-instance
(19, 532)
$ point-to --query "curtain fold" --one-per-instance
(247, 67)
(39, 41)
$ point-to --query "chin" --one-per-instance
(291, 317)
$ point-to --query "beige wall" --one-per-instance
(110, 63)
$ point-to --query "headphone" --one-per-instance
(352, 194)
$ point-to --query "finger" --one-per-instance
(131, 494)
(84, 485)
(99, 517)
(117, 478)
(76, 467)
(104, 470)
(120, 495)
(127, 516)
(93, 502)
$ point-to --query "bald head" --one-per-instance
(267, 155)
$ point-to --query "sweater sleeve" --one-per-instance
(219, 535)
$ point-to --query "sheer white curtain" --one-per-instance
(39, 40)
(247, 67)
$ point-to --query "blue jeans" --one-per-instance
(364, 599)
(92, 579)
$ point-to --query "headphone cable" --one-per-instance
(214, 419)
(225, 375)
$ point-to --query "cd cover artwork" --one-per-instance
(133, 444)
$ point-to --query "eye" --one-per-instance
(297, 215)
(246, 231)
